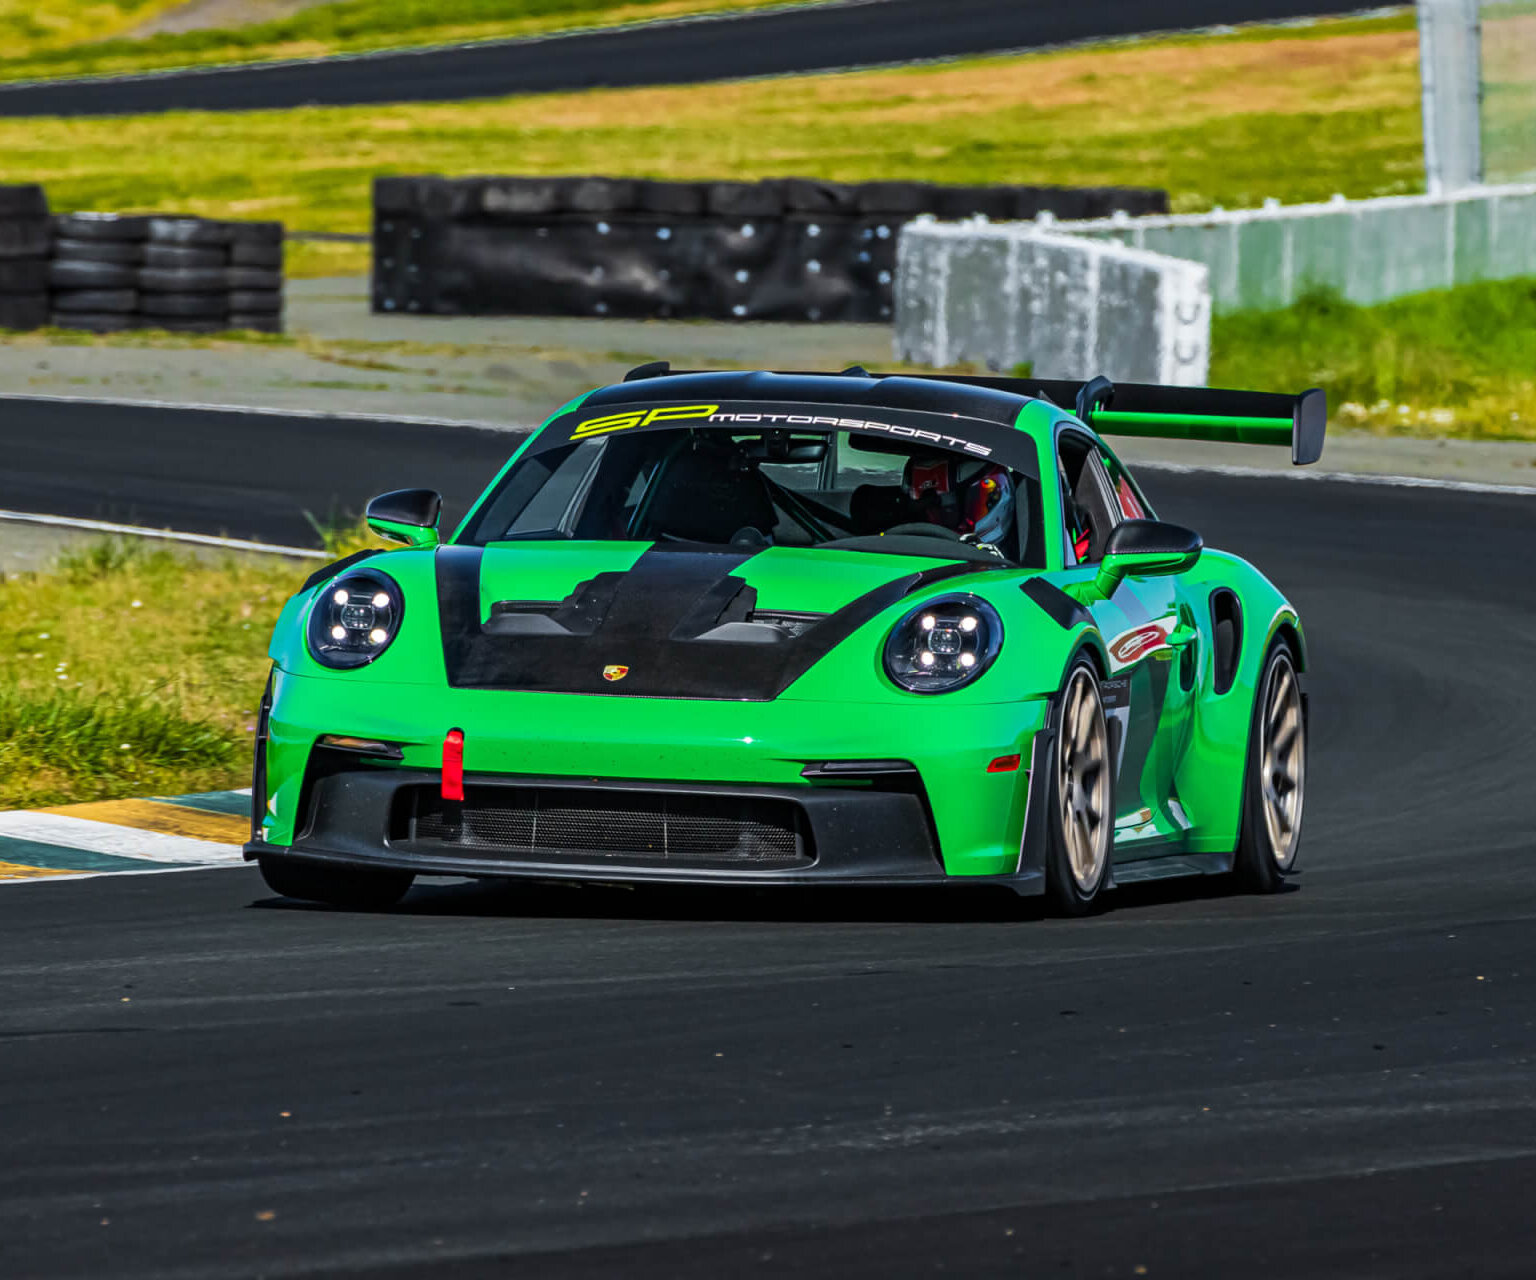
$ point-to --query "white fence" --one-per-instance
(1369, 250)
(1008, 294)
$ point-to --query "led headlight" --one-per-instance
(354, 618)
(944, 644)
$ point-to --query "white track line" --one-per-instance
(202, 539)
(1341, 477)
(106, 837)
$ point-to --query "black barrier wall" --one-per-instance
(786, 249)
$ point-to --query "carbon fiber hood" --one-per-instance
(682, 621)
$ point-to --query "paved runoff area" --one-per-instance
(111, 837)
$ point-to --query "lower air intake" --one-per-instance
(622, 826)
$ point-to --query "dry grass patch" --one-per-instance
(1293, 113)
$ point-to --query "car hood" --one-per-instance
(659, 620)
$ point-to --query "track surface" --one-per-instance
(796, 40)
(245, 475)
(198, 1079)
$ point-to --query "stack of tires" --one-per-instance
(188, 275)
(202, 276)
(95, 272)
(24, 240)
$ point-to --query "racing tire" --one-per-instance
(201, 305)
(247, 300)
(76, 273)
(96, 321)
(251, 253)
(1274, 779)
(120, 251)
(175, 324)
(101, 300)
(25, 237)
(335, 886)
(184, 279)
(189, 231)
(173, 256)
(100, 226)
(256, 321)
(23, 275)
(1080, 817)
(23, 200)
(23, 310)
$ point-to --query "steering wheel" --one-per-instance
(921, 529)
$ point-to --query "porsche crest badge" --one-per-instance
(615, 673)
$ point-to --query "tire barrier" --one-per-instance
(1002, 296)
(25, 236)
(104, 271)
(787, 249)
(190, 275)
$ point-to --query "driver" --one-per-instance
(974, 498)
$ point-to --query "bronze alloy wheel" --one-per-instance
(1283, 760)
(1083, 782)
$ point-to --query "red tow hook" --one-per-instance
(453, 765)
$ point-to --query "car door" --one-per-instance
(1148, 633)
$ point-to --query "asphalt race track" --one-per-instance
(863, 33)
(244, 475)
(196, 1078)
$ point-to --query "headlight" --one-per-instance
(354, 618)
(944, 644)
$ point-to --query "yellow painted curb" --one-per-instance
(169, 819)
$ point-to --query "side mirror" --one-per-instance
(1145, 548)
(407, 515)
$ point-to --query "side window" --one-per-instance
(1088, 501)
(1127, 496)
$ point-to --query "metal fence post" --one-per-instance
(1450, 68)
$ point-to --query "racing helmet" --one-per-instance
(967, 495)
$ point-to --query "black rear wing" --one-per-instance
(1179, 413)
(1148, 410)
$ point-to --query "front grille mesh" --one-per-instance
(555, 822)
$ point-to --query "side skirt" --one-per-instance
(1173, 867)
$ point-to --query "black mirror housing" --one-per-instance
(407, 515)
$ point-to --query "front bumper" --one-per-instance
(878, 833)
(971, 821)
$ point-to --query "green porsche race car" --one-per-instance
(764, 628)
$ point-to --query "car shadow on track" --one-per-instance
(947, 905)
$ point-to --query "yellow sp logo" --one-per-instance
(641, 418)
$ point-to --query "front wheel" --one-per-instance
(1081, 826)
(1275, 783)
(339, 887)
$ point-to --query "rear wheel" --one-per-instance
(361, 890)
(1080, 826)
(1275, 784)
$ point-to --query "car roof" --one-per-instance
(855, 388)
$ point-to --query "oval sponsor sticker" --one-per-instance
(1137, 644)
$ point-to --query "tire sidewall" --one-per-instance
(1255, 864)
(1061, 884)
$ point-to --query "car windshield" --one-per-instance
(773, 488)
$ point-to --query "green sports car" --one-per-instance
(767, 628)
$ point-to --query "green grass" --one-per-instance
(1455, 362)
(131, 671)
(76, 39)
(1296, 113)
(39, 28)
